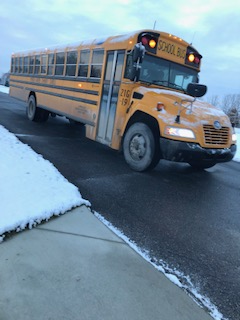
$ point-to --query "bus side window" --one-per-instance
(25, 64)
(129, 64)
(20, 65)
(59, 67)
(43, 64)
(31, 64)
(96, 65)
(83, 63)
(13, 65)
(16, 65)
(71, 63)
(50, 64)
(37, 65)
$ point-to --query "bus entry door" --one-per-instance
(109, 99)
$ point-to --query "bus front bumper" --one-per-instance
(180, 151)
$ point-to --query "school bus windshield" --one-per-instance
(165, 73)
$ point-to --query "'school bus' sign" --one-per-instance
(171, 48)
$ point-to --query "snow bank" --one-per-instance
(4, 89)
(31, 188)
(237, 155)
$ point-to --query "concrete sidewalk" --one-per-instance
(74, 268)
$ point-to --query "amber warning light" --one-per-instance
(149, 42)
(152, 43)
(193, 58)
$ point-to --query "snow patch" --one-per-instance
(4, 89)
(31, 189)
(237, 155)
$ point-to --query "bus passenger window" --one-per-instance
(83, 63)
(59, 68)
(96, 65)
(16, 65)
(25, 64)
(20, 65)
(50, 64)
(13, 65)
(71, 63)
(37, 65)
(43, 64)
(31, 64)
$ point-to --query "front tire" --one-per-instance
(35, 113)
(140, 149)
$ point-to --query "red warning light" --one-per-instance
(144, 41)
(196, 60)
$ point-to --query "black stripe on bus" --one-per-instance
(93, 92)
(84, 121)
(65, 78)
(58, 95)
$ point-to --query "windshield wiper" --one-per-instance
(159, 81)
(162, 82)
(152, 81)
(146, 82)
(177, 86)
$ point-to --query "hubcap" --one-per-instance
(137, 147)
(31, 109)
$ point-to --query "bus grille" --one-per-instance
(216, 136)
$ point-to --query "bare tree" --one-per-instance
(231, 106)
(214, 100)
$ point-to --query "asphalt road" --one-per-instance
(188, 221)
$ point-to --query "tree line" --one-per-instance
(230, 104)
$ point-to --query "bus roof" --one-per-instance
(126, 40)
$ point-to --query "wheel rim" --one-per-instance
(31, 109)
(137, 147)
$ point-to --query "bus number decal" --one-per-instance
(125, 95)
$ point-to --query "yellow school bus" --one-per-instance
(135, 92)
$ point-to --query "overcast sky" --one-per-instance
(212, 25)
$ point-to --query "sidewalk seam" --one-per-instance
(80, 235)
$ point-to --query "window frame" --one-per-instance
(31, 64)
(44, 63)
(70, 65)
(96, 66)
(83, 64)
(59, 66)
(36, 69)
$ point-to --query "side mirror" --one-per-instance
(137, 57)
(138, 52)
(196, 90)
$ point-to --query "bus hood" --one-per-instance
(174, 102)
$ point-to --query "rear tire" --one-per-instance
(35, 113)
(140, 149)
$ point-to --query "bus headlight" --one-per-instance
(179, 132)
(234, 138)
